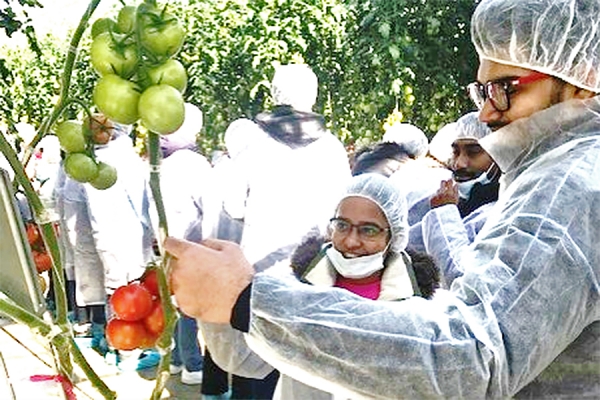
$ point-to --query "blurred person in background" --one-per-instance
(111, 234)
(460, 207)
(288, 178)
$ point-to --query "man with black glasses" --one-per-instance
(524, 318)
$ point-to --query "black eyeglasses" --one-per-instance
(366, 231)
(499, 91)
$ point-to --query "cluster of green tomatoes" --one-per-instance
(139, 80)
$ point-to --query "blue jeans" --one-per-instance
(187, 351)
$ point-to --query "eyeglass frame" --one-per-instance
(351, 226)
(481, 92)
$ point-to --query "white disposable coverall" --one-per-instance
(524, 312)
(446, 235)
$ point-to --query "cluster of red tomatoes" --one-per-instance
(139, 79)
(78, 140)
(139, 318)
(41, 258)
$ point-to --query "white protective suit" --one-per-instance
(445, 235)
(110, 229)
(290, 191)
(185, 179)
(419, 179)
(525, 311)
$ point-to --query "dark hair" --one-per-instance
(381, 158)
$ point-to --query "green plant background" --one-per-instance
(371, 57)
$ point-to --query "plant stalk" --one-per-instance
(65, 82)
(170, 314)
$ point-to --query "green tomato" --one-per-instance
(103, 25)
(107, 176)
(80, 167)
(161, 109)
(126, 19)
(162, 36)
(108, 56)
(117, 99)
(171, 73)
(71, 137)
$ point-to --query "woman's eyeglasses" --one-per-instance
(499, 91)
(366, 231)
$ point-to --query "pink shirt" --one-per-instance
(367, 288)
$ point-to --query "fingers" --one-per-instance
(175, 246)
(217, 244)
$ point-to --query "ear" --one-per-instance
(584, 94)
(574, 92)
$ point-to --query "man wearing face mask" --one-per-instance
(461, 205)
(475, 175)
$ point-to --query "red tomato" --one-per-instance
(148, 341)
(42, 261)
(132, 302)
(150, 281)
(155, 321)
(33, 233)
(126, 335)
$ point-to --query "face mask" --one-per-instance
(464, 188)
(355, 268)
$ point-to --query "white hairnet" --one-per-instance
(192, 124)
(389, 198)
(557, 37)
(470, 127)
(440, 146)
(409, 136)
(240, 134)
(295, 85)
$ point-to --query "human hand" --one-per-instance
(207, 278)
(446, 194)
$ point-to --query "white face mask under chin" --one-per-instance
(464, 188)
(355, 268)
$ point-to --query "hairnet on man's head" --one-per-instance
(410, 137)
(389, 198)
(557, 37)
(295, 85)
(440, 146)
(470, 127)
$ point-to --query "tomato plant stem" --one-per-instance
(65, 82)
(62, 344)
(170, 314)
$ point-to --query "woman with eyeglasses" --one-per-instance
(365, 251)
